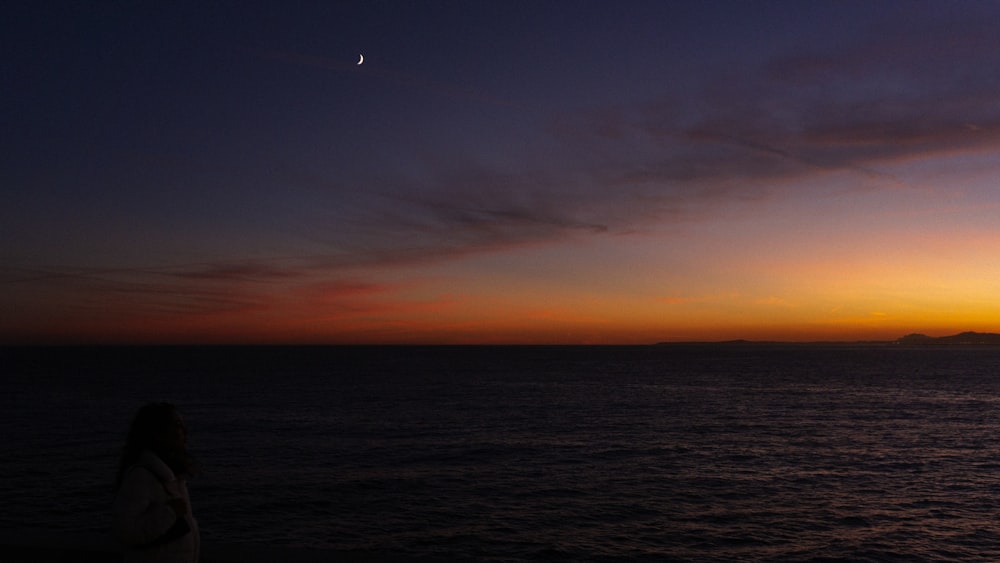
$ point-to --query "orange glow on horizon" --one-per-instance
(541, 326)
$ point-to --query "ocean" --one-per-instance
(534, 453)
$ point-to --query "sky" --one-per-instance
(498, 172)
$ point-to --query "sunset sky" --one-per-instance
(498, 172)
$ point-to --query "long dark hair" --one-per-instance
(150, 424)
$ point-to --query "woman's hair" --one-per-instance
(146, 432)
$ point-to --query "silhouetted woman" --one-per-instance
(152, 510)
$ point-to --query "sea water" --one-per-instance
(675, 452)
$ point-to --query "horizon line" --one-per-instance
(733, 342)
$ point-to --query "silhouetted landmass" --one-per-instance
(915, 339)
(961, 339)
(761, 343)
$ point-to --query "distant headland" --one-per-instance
(960, 339)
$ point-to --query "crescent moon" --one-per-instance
(362, 59)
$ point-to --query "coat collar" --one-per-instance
(152, 462)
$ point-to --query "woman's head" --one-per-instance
(159, 428)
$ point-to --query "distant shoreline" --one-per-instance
(960, 339)
(968, 338)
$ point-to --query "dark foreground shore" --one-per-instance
(42, 554)
(48, 554)
(30, 548)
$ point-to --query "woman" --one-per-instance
(152, 511)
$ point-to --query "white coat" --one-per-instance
(142, 514)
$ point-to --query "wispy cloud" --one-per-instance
(743, 135)
(234, 271)
(740, 136)
(715, 298)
